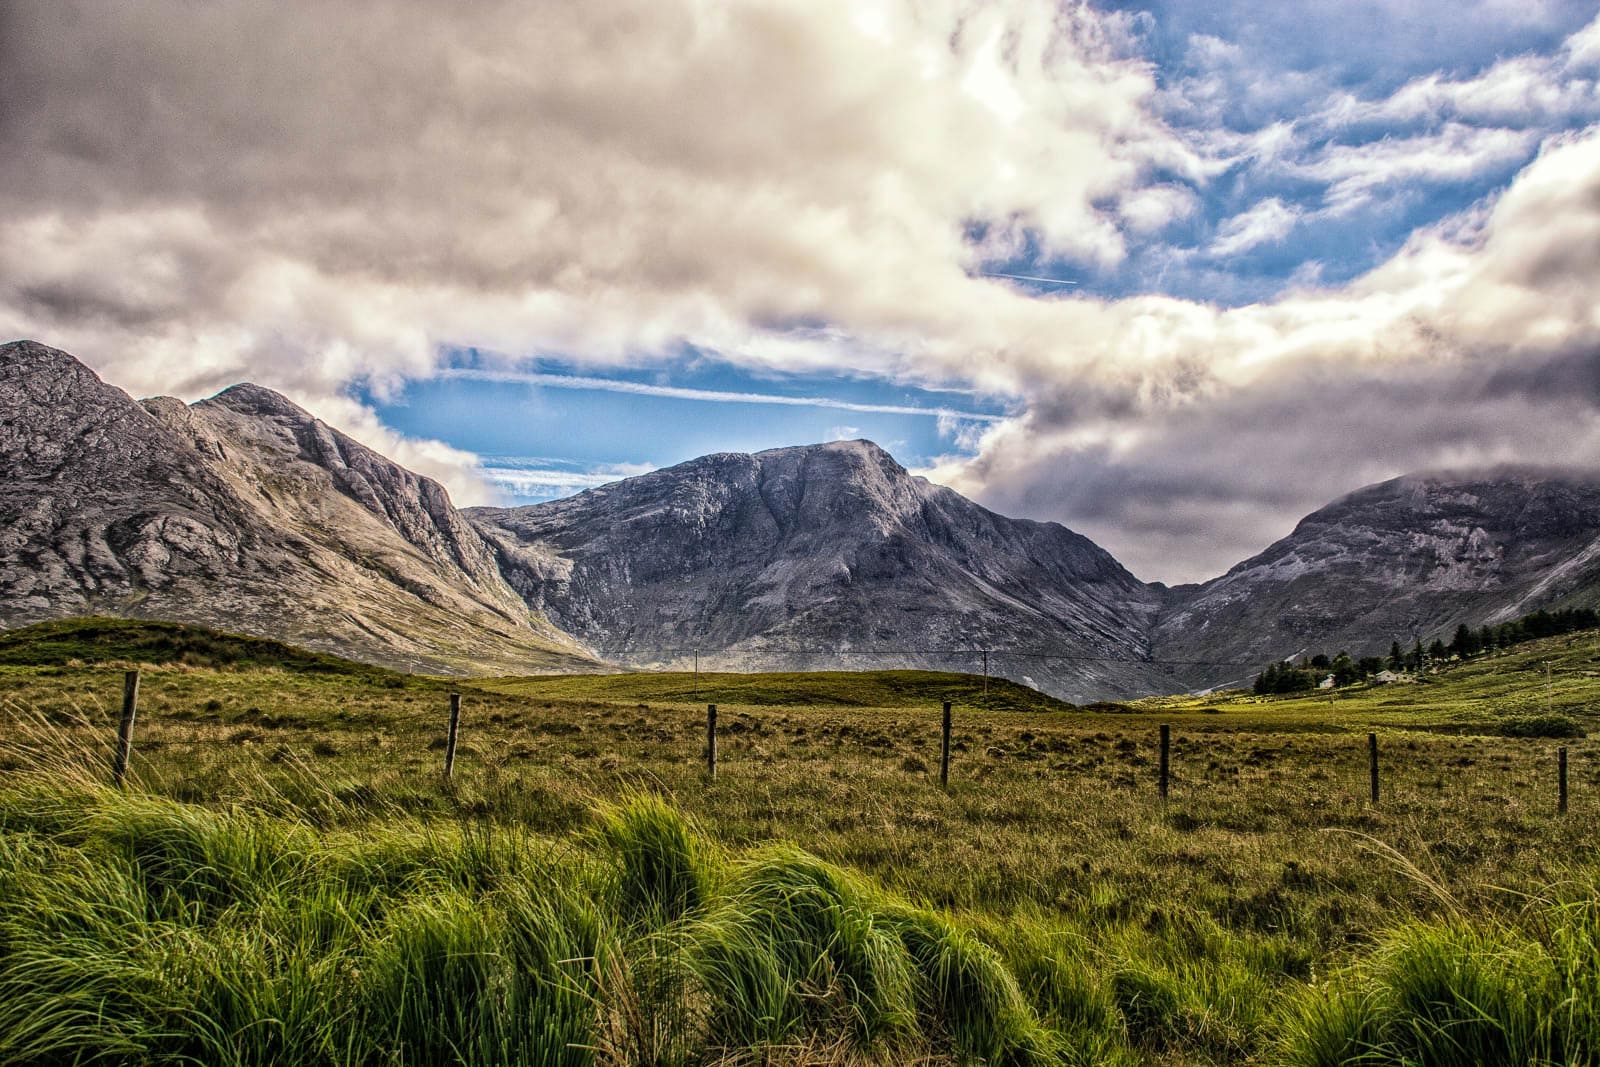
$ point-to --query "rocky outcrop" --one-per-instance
(242, 512)
(828, 547)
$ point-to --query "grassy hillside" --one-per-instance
(839, 689)
(288, 878)
(1554, 676)
(98, 640)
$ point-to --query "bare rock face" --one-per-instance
(830, 547)
(78, 531)
(318, 472)
(241, 512)
(1408, 558)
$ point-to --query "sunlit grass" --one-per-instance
(288, 878)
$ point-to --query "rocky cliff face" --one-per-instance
(242, 512)
(829, 547)
(1411, 557)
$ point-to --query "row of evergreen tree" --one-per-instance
(1307, 674)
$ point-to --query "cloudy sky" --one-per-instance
(531, 247)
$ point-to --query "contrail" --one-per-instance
(1027, 278)
(615, 385)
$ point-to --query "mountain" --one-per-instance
(1408, 558)
(833, 547)
(245, 512)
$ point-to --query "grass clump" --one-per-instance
(662, 866)
(795, 944)
(1544, 725)
(964, 985)
(1450, 992)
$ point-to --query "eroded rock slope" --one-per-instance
(241, 512)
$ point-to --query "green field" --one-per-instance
(288, 878)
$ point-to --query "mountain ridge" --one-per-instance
(244, 509)
(877, 562)
(1407, 558)
(220, 512)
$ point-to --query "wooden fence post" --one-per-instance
(944, 746)
(711, 740)
(1561, 779)
(1372, 764)
(130, 708)
(1166, 759)
(450, 742)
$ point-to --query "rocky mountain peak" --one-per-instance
(817, 492)
(859, 452)
(41, 359)
(241, 511)
(32, 373)
(248, 398)
(834, 545)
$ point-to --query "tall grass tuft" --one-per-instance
(508, 980)
(795, 944)
(973, 1000)
(81, 967)
(1449, 993)
(663, 867)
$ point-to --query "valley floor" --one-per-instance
(287, 876)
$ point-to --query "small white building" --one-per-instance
(1385, 677)
(1326, 683)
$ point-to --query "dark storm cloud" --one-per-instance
(1206, 486)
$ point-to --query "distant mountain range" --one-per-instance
(243, 511)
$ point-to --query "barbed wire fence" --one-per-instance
(265, 738)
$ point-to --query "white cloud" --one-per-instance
(1455, 153)
(1474, 343)
(553, 482)
(1267, 222)
(1149, 209)
(965, 434)
(311, 196)
(1519, 91)
(1583, 49)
